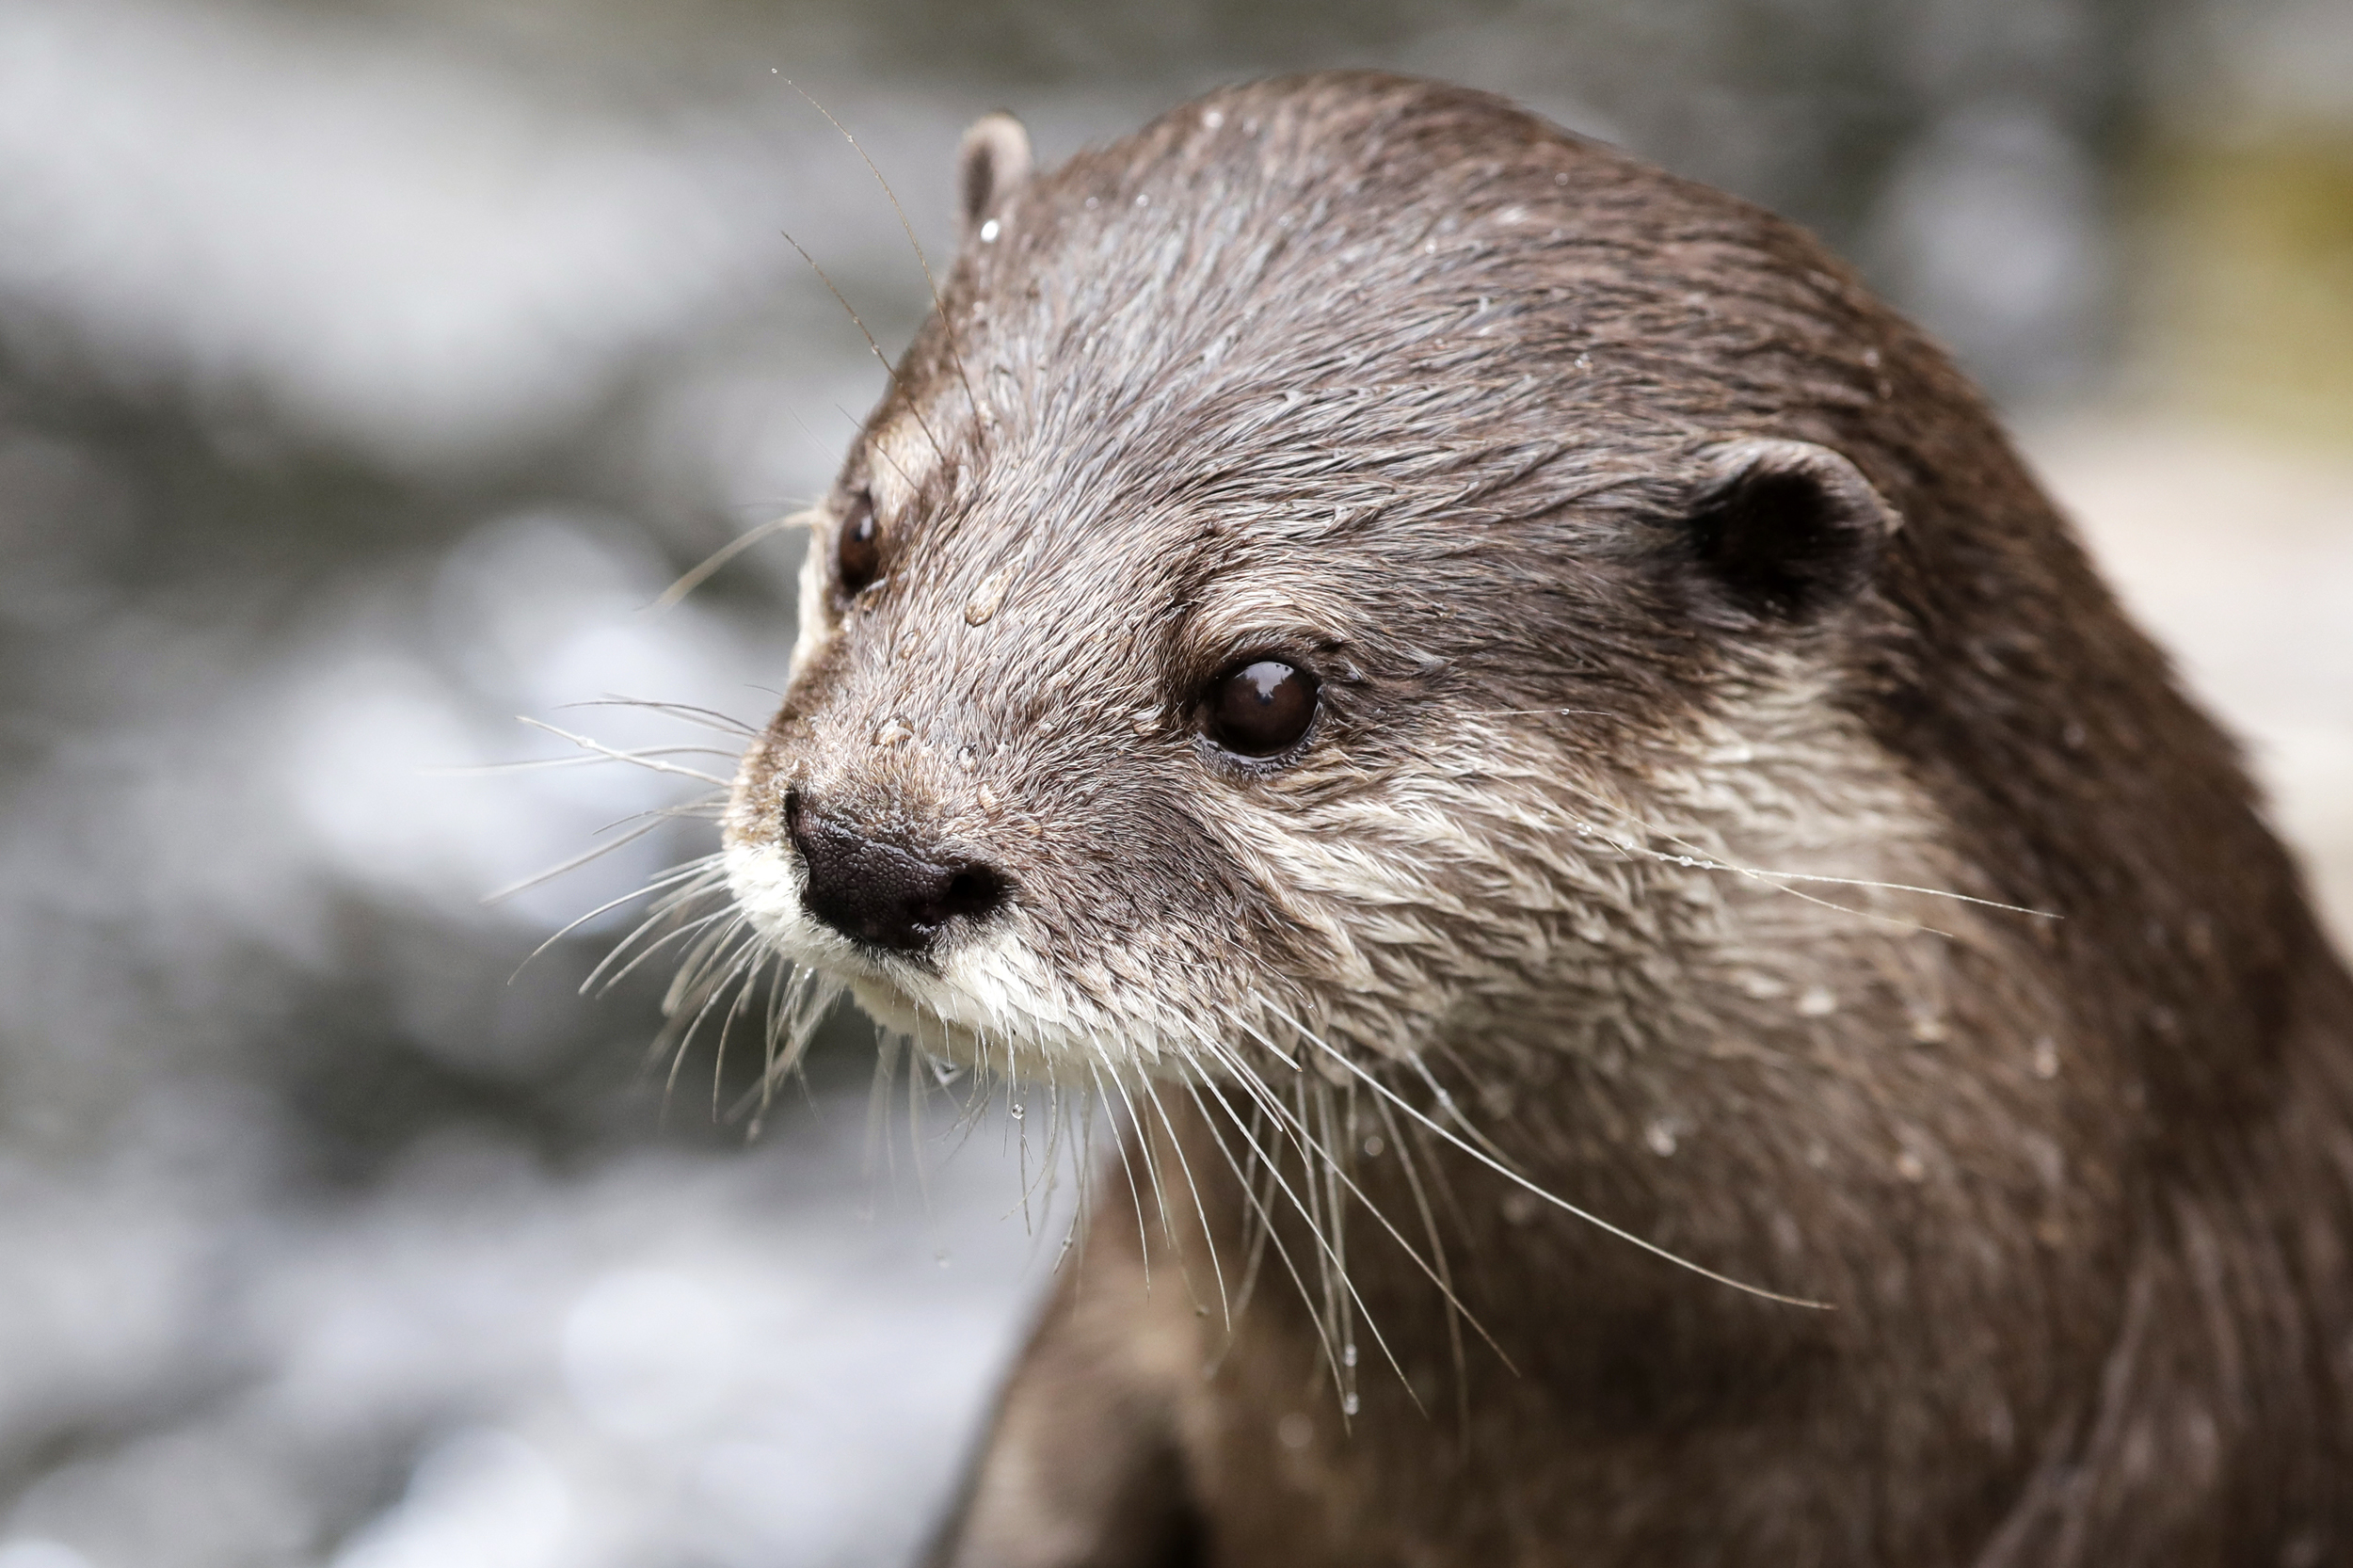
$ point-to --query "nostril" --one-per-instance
(973, 890)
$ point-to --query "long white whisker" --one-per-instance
(501, 895)
(708, 718)
(1700, 860)
(1437, 1274)
(1249, 1191)
(1160, 1184)
(1454, 1311)
(1557, 1202)
(728, 552)
(1209, 1237)
(600, 979)
(1323, 1246)
(1144, 1242)
(540, 764)
(619, 756)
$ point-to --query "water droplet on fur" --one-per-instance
(1213, 117)
(1927, 1027)
(1910, 1166)
(2046, 1058)
(989, 231)
(1373, 1146)
(1017, 1111)
(1348, 1355)
(986, 598)
(1818, 1001)
(1144, 201)
(1348, 1405)
(1660, 1136)
(1092, 203)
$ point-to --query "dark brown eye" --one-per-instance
(857, 550)
(1261, 708)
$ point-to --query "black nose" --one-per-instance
(884, 895)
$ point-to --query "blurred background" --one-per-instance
(366, 373)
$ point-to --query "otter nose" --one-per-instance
(881, 894)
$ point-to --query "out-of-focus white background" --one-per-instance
(367, 371)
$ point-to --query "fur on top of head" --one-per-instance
(1550, 480)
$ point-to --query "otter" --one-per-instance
(1680, 983)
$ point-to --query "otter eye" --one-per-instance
(858, 550)
(1261, 708)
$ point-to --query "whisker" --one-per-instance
(1209, 1237)
(883, 359)
(1323, 1249)
(710, 718)
(686, 585)
(1435, 1273)
(1454, 1313)
(1249, 1191)
(806, 1000)
(915, 1121)
(887, 1048)
(707, 997)
(542, 764)
(1698, 858)
(956, 351)
(599, 977)
(1507, 1173)
(502, 894)
(1160, 1186)
(650, 890)
(1143, 1243)
(619, 756)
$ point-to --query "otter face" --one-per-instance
(1195, 662)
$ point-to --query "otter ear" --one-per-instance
(991, 165)
(1781, 531)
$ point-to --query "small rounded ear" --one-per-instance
(991, 164)
(1785, 530)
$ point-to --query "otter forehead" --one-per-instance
(1398, 244)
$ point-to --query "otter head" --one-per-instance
(1336, 568)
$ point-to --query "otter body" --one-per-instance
(1546, 750)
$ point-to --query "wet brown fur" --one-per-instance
(1406, 383)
